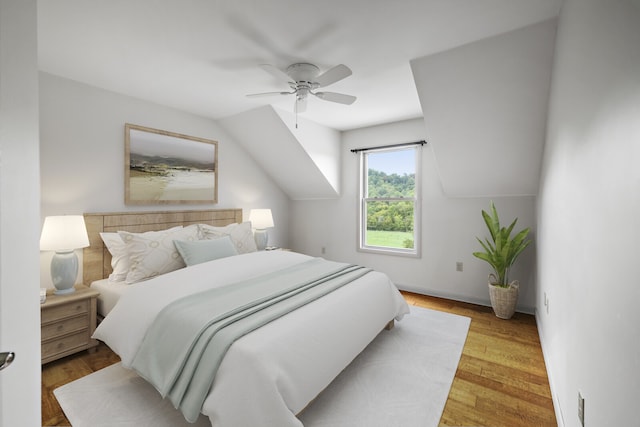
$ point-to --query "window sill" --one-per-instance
(389, 251)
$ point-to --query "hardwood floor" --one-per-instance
(501, 379)
(65, 370)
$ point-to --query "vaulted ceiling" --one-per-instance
(203, 56)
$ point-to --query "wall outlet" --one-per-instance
(546, 302)
(459, 266)
(581, 408)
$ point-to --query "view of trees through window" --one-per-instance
(390, 199)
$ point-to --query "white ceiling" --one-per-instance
(202, 56)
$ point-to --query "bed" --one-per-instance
(267, 376)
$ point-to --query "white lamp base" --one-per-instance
(261, 237)
(64, 271)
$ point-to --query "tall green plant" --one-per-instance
(501, 250)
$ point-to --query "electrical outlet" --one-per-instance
(581, 408)
(547, 307)
(459, 266)
(546, 302)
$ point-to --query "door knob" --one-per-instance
(6, 358)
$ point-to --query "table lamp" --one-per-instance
(64, 234)
(261, 219)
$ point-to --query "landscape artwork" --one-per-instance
(168, 168)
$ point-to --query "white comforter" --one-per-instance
(270, 375)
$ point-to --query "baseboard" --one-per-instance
(554, 395)
(457, 297)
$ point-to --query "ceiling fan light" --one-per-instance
(304, 78)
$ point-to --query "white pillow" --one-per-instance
(205, 250)
(153, 253)
(119, 256)
(240, 234)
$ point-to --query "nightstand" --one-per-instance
(67, 323)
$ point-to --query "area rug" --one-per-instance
(401, 379)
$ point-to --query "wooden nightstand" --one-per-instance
(67, 322)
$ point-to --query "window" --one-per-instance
(390, 200)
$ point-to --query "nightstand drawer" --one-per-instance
(64, 310)
(63, 327)
(61, 345)
(67, 322)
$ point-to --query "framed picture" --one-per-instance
(169, 168)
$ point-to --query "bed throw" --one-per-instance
(180, 358)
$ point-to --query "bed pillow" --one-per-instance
(205, 250)
(241, 235)
(153, 253)
(119, 256)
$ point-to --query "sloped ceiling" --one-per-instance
(485, 109)
(484, 106)
(302, 167)
(202, 58)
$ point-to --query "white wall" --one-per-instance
(485, 108)
(449, 227)
(589, 215)
(301, 163)
(82, 156)
(320, 142)
(19, 214)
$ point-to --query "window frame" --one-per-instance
(363, 199)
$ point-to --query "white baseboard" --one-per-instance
(457, 297)
(554, 395)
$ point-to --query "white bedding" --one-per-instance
(110, 293)
(270, 375)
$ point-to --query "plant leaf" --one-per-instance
(501, 251)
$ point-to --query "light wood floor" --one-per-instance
(501, 379)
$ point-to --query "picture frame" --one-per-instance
(163, 168)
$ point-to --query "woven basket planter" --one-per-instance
(504, 300)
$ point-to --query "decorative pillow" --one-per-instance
(153, 253)
(240, 234)
(205, 250)
(119, 255)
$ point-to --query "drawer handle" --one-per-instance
(78, 307)
(60, 345)
(60, 327)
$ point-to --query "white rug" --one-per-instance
(401, 379)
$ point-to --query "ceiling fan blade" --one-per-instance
(300, 105)
(333, 75)
(277, 73)
(258, 95)
(340, 98)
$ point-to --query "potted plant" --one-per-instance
(501, 251)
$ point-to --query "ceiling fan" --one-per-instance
(304, 79)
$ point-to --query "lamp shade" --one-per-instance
(63, 233)
(261, 218)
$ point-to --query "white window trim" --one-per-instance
(416, 252)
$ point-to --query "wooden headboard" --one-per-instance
(96, 263)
